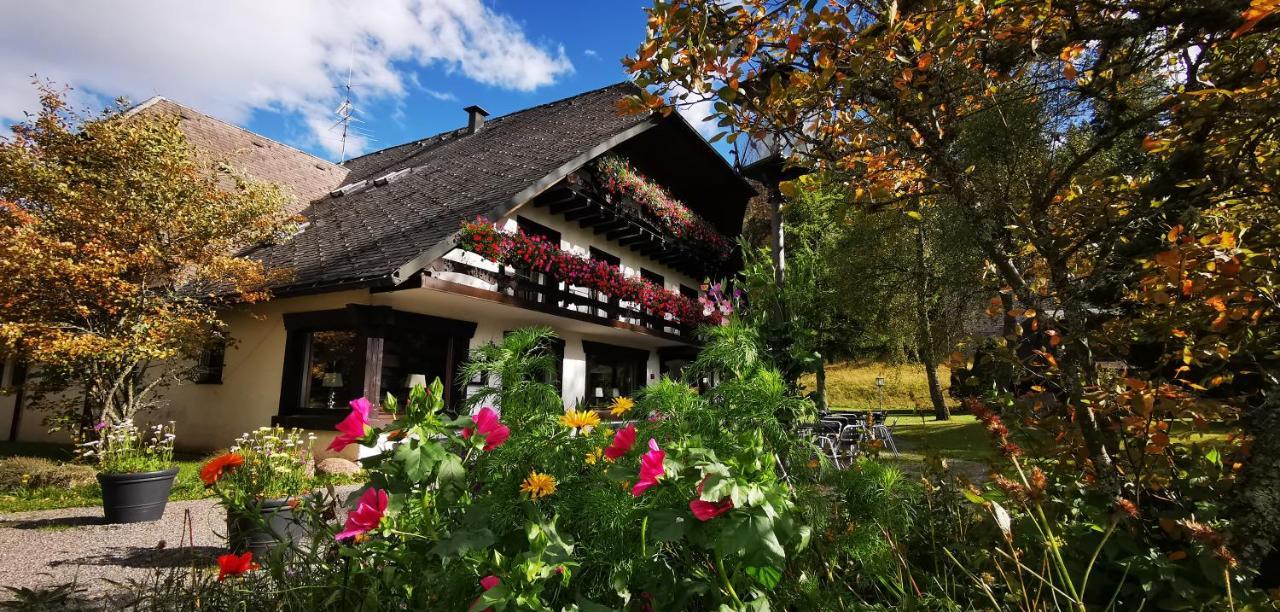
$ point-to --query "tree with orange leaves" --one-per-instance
(1116, 162)
(117, 245)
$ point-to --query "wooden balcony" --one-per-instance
(535, 291)
(625, 222)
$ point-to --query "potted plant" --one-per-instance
(260, 481)
(135, 469)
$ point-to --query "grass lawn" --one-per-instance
(852, 386)
(186, 486)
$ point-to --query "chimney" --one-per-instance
(475, 118)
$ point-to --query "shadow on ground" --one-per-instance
(133, 556)
(54, 524)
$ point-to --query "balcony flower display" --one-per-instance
(536, 254)
(618, 178)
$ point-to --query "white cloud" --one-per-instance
(443, 96)
(591, 53)
(232, 57)
(695, 108)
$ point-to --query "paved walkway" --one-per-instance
(51, 547)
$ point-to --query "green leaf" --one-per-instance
(462, 541)
(668, 525)
(768, 576)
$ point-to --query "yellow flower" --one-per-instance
(595, 455)
(578, 420)
(538, 485)
(621, 406)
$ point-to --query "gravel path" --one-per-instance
(51, 547)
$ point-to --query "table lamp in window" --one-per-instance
(415, 380)
(332, 381)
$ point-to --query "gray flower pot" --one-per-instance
(136, 498)
(278, 524)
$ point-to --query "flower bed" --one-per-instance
(619, 178)
(535, 253)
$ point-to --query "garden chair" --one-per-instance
(880, 430)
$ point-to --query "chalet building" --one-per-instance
(385, 287)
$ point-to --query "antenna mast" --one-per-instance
(346, 112)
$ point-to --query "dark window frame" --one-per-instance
(211, 363)
(373, 324)
(597, 352)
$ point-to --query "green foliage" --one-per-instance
(123, 448)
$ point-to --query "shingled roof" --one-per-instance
(305, 176)
(399, 207)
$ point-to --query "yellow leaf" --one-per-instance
(915, 215)
(788, 188)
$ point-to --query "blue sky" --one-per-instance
(274, 67)
(595, 34)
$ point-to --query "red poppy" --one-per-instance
(213, 470)
(232, 564)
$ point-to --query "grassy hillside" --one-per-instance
(853, 385)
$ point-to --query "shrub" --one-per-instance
(35, 472)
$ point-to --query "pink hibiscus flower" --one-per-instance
(368, 513)
(622, 442)
(650, 468)
(354, 426)
(487, 425)
(706, 510)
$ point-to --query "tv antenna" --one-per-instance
(346, 113)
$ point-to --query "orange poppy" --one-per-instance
(213, 470)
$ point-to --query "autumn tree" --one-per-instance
(1116, 160)
(117, 245)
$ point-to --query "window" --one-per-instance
(653, 277)
(533, 228)
(334, 369)
(688, 292)
(334, 356)
(208, 370)
(658, 281)
(544, 285)
(613, 371)
(612, 302)
(407, 355)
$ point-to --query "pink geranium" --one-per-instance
(368, 513)
(354, 426)
(622, 442)
(651, 468)
(487, 425)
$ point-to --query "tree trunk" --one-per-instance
(821, 383)
(925, 330)
(940, 410)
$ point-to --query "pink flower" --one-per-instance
(487, 425)
(490, 581)
(650, 468)
(354, 426)
(622, 442)
(366, 516)
(706, 510)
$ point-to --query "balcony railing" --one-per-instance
(537, 291)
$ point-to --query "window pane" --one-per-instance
(408, 353)
(333, 374)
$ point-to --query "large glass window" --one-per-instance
(613, 371)
(333, 369)
(411, 358)
(334, 356)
